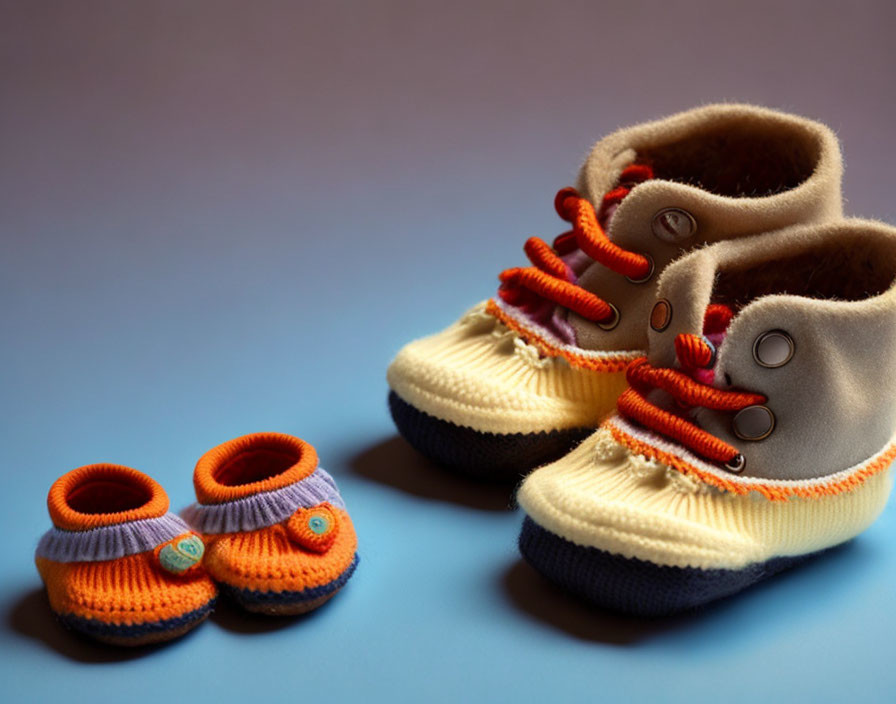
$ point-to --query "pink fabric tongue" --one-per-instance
(715, 330)
(706, 376)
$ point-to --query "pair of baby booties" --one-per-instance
(697, 372)
(269, 529)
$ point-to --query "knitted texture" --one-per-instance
(139, 633)
(549, 347)
(279, 538)
(606, 496)
(110, 542)
(563, 328)
(483, 374)
(266, 507)
(633, 586)
(117, 566)
(485, 456)
(642, 528)
(659, 450)
(749, 437)
(287, 602)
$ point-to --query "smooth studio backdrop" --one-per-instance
(222, 217)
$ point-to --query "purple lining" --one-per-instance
(110, 542)
(560, 324)
(266, 508)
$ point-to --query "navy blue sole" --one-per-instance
(139, 633)
(633, 586)
(259, 601)
(485, 456)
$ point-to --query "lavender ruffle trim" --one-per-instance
(266, 508)
(110, 542)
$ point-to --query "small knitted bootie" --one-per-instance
(759, 430)
(117, 565)
(279, 538)
(520, 379)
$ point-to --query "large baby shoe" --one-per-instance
(117, 565)
(758, 431)
(521, 378)
(279, 538)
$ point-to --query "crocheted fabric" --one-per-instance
(138, 633)
(478, 398)
(630, 532)
(286, 601)
(633, 586)
(280, 540)
(117, 566)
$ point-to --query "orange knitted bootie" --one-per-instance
(117, 565)
(279, 538)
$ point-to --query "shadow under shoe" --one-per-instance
(393, 462)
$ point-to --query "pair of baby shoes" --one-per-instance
(712, 335)
(269, 529)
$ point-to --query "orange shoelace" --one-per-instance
(695, 353)
(551, 279)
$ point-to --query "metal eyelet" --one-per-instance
(713, 356)
(753, 423)
(773, 349)
(661, 315)
(673, 225)
(648, 276)
(736, 464)
(612, 322)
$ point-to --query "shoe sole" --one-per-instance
(484, 456)
(287, 603)
(634, 586)
(132, 635)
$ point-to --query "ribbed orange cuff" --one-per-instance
(251, 464)
(103, 495)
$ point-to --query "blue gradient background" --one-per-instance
(222, 217)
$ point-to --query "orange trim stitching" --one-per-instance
(609, 364)
(774, 493)
(633, 405)
(68, 518)
(211, 491)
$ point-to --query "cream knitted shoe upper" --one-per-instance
(816, 475)
(604, 495)
(481, 374)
